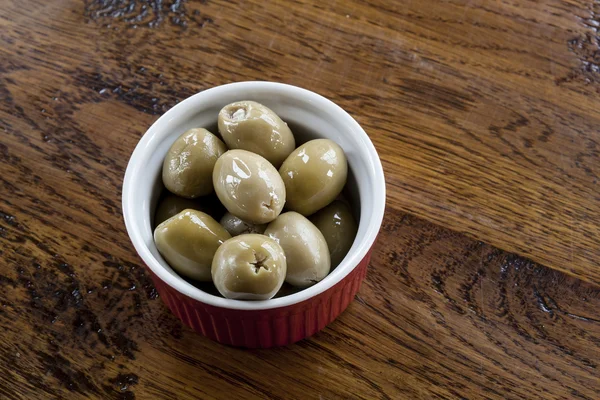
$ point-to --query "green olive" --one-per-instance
(188, 242)
(236, 226)
(314, 175)
(249, 266)
(339, 228)
(249, 186)
(188, 165)
(251, 126)
(305, 248)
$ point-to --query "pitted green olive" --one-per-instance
(305, 248)
(236, 226)
(314, 175)
(339, 228)
(188, 242)
(249, 266)
(188, 165)
(249, 186)
(251, 126)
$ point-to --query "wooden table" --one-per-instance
(486, 115)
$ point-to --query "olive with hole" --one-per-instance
(188, 165)
(250, 267)
(188, 242)
(236, 226)
(339, 228)
(171, 205)
(251, 126)
(314, 175)
(305, 248)
(249, 186)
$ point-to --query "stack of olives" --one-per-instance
(255, 247)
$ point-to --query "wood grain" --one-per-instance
(485, 115)
(439, 316)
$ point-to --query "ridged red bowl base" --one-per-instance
(265, 328)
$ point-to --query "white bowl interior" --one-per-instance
(309, 116)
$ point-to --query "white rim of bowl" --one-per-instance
(348, 264)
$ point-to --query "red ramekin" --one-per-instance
(283, 320)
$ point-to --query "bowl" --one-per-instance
(279, 321)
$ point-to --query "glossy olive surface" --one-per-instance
(314, 175)
(251, 126)
(236, 226)
(305, 248)
(249, 186)
(188, 242)
(249, 266)
(339, 228)
(188, 165)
